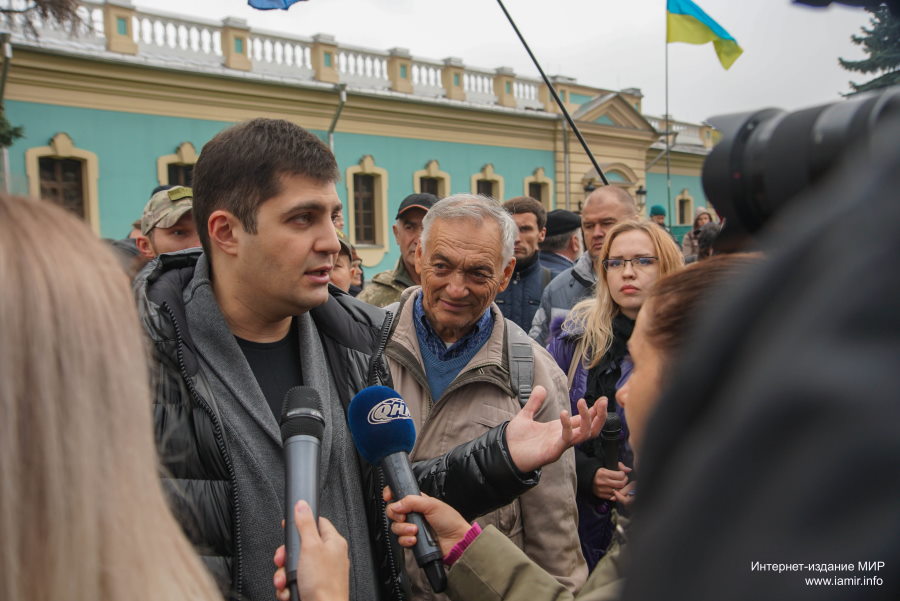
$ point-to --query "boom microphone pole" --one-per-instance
(555, 96)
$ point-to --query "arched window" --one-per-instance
(367, 214)
(432, 180)
(488, 183)
(66, 175)
(685, 208)
(177, 169)
(539, 187)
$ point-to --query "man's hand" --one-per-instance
(607, 482)
(449, 527)
(323, 571)
(535, 444)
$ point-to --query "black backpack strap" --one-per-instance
(521, 361)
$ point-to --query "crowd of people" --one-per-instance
(512, 334)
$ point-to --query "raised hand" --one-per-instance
(535, 444)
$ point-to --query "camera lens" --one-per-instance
(767, 157)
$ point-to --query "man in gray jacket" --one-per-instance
(604, 208)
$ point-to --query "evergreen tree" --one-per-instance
(882, 43)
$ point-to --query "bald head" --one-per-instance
(604, 208)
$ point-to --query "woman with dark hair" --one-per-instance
(690, 244)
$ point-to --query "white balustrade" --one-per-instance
(525, 92)
(479, 87)
(426, 78)
(174, 39)
(362, 68)
(171, 40)
(278, 55)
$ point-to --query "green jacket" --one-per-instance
(492, 568)
(385, 287)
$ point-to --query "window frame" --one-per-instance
(371, 254)
(61, 146)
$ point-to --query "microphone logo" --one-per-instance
(388, 410)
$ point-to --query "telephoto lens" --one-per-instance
(767, 157)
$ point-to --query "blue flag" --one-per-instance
(270, 4)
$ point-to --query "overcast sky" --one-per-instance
(789, 61)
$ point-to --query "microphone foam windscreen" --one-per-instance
(380, 423)
(301, 413)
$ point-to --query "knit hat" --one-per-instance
(657, 210)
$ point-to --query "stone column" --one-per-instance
(400, 70)
(452, 78)
(503, 86)
(236, 44)
(324, 58)
(117, 23)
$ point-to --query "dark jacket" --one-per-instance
(595, 527)
(523, 295)
(198, 472)
(555, 262)
(561, 294)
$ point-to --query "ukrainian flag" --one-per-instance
(686, 22)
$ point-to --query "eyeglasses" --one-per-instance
(636, 263)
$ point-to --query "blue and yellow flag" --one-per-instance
(686, 22)
(272, 4)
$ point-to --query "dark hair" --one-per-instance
(678, 298)
(527, 204)
(242, 167)
(697, 218)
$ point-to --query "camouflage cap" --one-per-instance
(166, 207)
(346, 247)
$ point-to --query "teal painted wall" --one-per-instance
(402, 157)
(579, 98)
(656, 195)
(128, 145)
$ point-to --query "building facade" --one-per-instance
(128, 102)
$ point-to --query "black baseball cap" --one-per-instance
(422, 201)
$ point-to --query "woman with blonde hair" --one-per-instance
(591, 347)
(82, 511)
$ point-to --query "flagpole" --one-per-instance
(668, 134)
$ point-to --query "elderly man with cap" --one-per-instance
(386, 286)
(563, 242)
(167, 224)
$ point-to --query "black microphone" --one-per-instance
(384, 434)
(609, 439)
(302, 427)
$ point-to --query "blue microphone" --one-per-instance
(384, 434)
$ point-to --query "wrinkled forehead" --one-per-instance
(464, 235)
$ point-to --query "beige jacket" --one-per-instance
(491, 569)
(542, 522)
